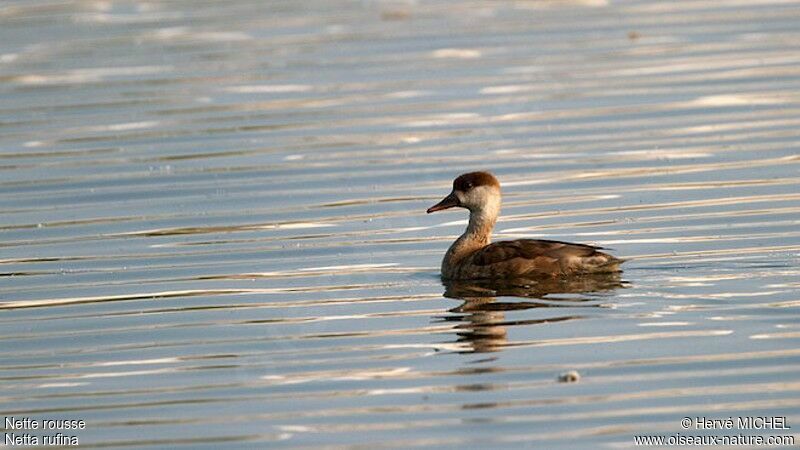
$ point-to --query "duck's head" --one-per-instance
(475, 191)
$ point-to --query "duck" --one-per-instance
(473, 256)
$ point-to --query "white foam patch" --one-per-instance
(93, 75)
(60, 385)
(221, 36)
(737, 100)
(142, 17)
(456, 53)
(444, 119)
(406, 94)
(269, 89)
(346, 267)
(128, 126)
(509, 89)
(664, 153)
(523, 70)
(188, 34)
(294, 226)
(664, 324)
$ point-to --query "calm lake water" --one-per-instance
(213, 229)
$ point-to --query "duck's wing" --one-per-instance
(546, 255)
(530, 249)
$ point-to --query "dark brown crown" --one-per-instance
(471, 180)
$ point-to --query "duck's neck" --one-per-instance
(477, 235)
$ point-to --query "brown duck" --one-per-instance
(472, 256)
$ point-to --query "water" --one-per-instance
(213, 228)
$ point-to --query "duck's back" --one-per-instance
(531, 257)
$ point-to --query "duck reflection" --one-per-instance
(482, 321)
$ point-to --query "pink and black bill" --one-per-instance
(448, 202)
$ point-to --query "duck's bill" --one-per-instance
(447, 202)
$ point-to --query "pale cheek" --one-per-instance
(477, 196)
(469, 199)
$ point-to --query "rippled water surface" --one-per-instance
(213, 228)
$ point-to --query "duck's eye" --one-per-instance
(469, 186)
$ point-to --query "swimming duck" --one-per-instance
(472, 256)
